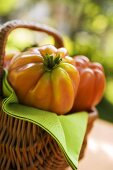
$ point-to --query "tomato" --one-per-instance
(91, 86)
(45, 77)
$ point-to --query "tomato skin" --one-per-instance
(8, 57)
(91, 86)
(48, 89)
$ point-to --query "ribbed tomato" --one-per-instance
(45, 77)
(91, 86)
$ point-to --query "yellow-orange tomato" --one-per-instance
(91, 86)
(44, 78)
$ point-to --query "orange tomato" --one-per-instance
(45, 78)
(91, 86)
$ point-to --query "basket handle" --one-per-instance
(11, 25)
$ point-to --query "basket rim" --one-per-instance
(92, 114)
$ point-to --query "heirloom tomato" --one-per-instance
(45, 77)
(91, 86)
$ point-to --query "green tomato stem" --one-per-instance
(50, 62)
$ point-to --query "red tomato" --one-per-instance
(91, 86)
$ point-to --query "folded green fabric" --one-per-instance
(67, 130)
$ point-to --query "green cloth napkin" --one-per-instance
(67, 130)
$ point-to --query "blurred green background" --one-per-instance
(86, 25)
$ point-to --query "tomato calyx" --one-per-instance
(51, 62)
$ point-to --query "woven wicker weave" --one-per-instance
(23, 145)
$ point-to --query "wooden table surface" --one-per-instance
(99, 152)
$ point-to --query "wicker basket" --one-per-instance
(24, 145)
